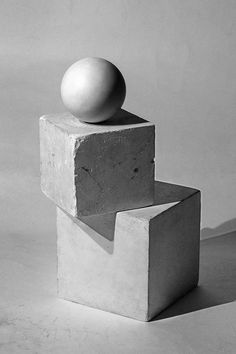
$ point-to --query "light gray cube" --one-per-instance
(134, 263)
(89, 169)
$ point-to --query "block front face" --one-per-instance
(90, 169)
(114, 171)
(97, 271)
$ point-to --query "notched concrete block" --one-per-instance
(135, 263)
(89, 169)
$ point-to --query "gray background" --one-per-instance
(178, 58)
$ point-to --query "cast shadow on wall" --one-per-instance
(226, 227)
(217, 284)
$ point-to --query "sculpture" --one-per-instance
(126, 243)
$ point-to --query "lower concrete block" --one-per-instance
(134, 263)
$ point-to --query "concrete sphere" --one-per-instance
(93, 89)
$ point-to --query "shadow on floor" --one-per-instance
(224, 228)
(217, 284)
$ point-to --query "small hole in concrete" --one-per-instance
(136, 169)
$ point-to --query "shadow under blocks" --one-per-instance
(101, 228)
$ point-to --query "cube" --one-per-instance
(134, 263)
(89, 169)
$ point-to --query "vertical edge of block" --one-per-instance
(165, 288)
(134, 242)
(153, 143)
(197, 195)
(41, 150)
(57, 249)
(61, 218)
(56, 165)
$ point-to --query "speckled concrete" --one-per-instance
(149, 260)
(89, 169)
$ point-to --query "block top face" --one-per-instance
(166, 195)
(122, 120)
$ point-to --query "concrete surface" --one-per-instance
(145, 260)
(34, 320)
(174, 252)
(89, 169)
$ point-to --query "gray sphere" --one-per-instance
(93, 89)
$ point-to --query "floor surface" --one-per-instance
(34, 320)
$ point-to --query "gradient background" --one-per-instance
(178, 58)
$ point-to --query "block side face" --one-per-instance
(173, 254)
(115, 171)
(90, 275)
(57, 165)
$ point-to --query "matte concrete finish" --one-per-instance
(173, 253)
(136, 264)
(89, 169)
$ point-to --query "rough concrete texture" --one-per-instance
(134, 263)
(89, 169)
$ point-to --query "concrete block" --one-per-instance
(89, 169)
(134, 263)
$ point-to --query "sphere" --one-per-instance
(93, 89)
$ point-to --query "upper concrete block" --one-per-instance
(134, 263)
(89, 169)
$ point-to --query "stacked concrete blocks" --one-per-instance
(126, 244)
